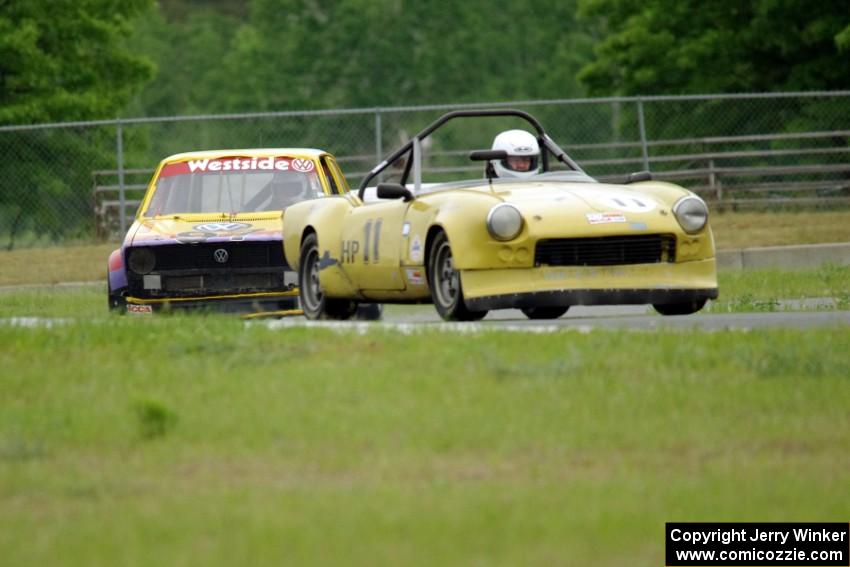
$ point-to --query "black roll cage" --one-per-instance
(546, 143)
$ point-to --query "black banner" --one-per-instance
(761, 544)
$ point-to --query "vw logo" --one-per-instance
(221, 226)
(221, 255)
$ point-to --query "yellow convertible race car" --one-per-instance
(535, 232)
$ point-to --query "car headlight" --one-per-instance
(692, 213)
(141, 261)
(504, 222)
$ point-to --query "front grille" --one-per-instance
(222, 282)
(200, 256)
(188, 270)
(606, 250)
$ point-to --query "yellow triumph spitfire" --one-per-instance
(552, 238)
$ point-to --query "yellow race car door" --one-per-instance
(371, 245)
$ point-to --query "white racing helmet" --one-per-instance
(517, 143)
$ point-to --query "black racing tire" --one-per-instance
(370, 311)
(117, 304)
(544, 312)
(684, 308)
(446, 288)
(314, 303)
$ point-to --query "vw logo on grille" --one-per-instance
(221, 255)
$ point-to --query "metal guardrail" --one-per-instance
(732, 148)
(723, 185)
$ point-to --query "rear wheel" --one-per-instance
(684, 308)
(446, 289)
(544, 312)
(314, 303)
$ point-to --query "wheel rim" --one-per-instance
(448, 280)
(312, 290)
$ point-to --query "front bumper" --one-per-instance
(590, 297)
(658, 283)
(226, 303)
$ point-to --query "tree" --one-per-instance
(361, 53)
(691, 46)
(61, 60)
(66, 60)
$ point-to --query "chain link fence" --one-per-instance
(69, 181)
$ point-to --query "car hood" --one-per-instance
(188, 229)
(594, 198)
(569, 208)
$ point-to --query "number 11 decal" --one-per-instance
(368, 236)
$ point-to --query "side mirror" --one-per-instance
(487, 155)
(639, 176)
(393, 191)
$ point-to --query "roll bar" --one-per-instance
(546, 144)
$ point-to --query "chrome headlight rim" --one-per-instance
(507, 235)
(141, 260)
(679, 214)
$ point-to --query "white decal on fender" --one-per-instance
(415, 277)
(415, 249)
(605, 218)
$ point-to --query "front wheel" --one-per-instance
(544, 312)
(314, 303)
(684, 308)
(116, 302)
(446, 289)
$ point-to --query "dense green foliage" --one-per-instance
(689, 46)
(77, 60)
(67, 60)
(59, 61)
(356, 53)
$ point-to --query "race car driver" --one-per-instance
(523, 155)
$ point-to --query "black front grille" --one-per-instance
(187, 270)
(201, 256)
(606, 250)
(222, 282)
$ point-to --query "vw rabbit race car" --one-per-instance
(524, 235)
(208, 234)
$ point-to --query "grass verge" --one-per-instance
(199, 440)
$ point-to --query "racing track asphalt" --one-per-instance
(409, 320)
(634, 318)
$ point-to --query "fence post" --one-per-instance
(122, 214)
(642, 128)
(379, 151)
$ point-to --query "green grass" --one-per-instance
(761, 290)
(779, 228)
(57, 264)
(202, 441)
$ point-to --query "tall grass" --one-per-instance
(200, 440)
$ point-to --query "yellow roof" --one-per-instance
(311, 153)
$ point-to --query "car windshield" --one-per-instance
(234, 185)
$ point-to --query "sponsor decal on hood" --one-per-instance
(269, 163)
